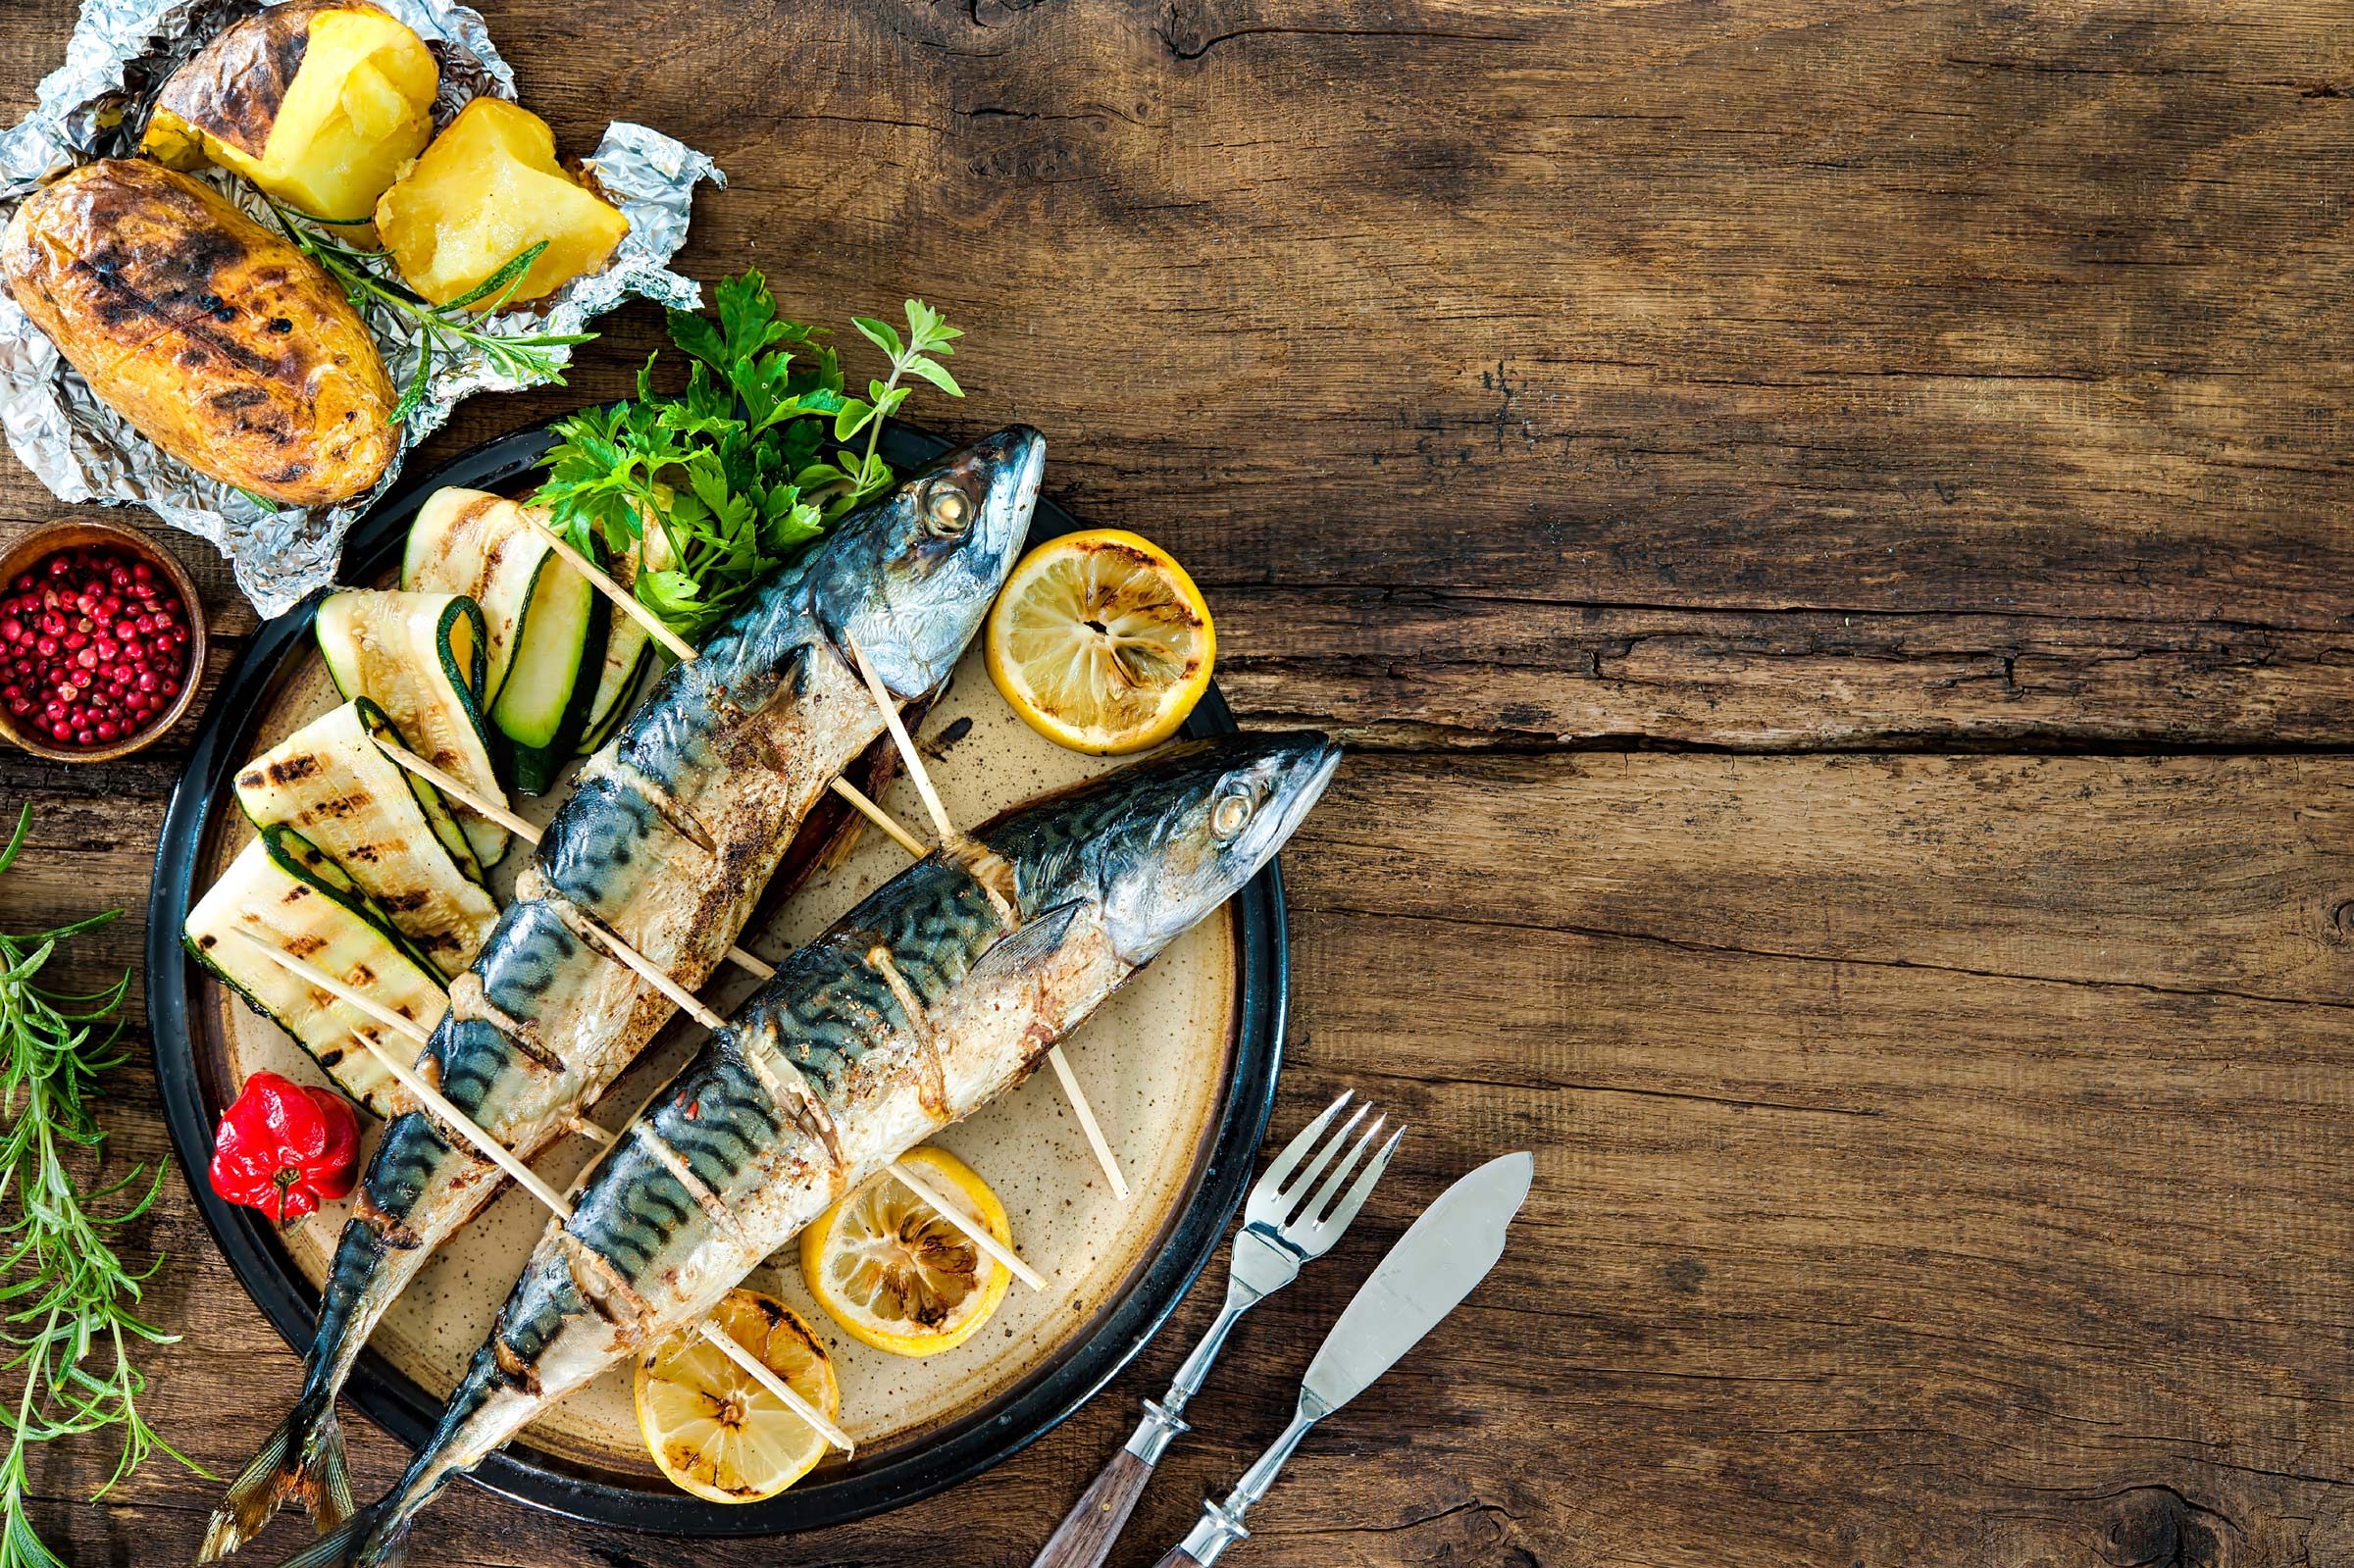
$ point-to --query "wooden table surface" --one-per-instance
(1826, 526)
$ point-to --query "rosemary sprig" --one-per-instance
(364, 276)
(69, 1299)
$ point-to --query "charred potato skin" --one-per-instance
(232, 89)
(219, 340)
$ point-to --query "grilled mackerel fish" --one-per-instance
(668, 838)
(920, 1006)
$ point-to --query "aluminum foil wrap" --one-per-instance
(96, 106)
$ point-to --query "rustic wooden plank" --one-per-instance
(1938, 1155)
(2204, 875)
(1756, 335)
(1879, 1256)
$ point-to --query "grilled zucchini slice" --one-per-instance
(629, 651)
(329, 783)
(543, 619)
(420, 658)
(284, 890)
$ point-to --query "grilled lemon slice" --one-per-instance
(896, 1276)
(1100, 642)
(710, 1426)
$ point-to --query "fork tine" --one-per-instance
(1295, 1188)
(1272, 1179)
(1355, 1198)
(1332, 1184)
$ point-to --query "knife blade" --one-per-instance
(1424, 1277)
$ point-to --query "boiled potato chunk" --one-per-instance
(319, 103)
(486, 191)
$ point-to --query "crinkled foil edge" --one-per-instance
(94, 106)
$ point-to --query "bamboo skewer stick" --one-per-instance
(1100, 1145)
(651, 973)
(767, 1379)
(622, 597)
(520, 828)
(465, 1127)
(359, 1001)
(889, 706)
(1086, 1113)
(952, 1211)
(880, 818)
(422, 1092)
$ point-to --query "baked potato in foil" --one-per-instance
(219, 340)
(319, 103)
(486, 191)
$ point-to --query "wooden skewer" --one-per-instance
(952, 1211)
(465, 1127)
(359, 1001)
(1100, 1145)
(651, 973)
(422, 1092)
(1087, 1122)
(767, 1379)
(622, 597)
(518, 827)
(880, 818)
(491, 1149)
(889, 706)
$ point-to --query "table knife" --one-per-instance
(1444, 1254)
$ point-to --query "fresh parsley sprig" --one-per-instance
(747, 463)
(69, 1300)
(442, 330)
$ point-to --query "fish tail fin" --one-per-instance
(375, 1537)
(302, 1459)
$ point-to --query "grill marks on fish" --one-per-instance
(759, 1053)
(934, 1089)
(512, 1030)
(684, 1174)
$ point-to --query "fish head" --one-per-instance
(909, 576)
(1159, 844)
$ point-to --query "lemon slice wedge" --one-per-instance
(886, 1266)
(1100, 642)
(710, 1426)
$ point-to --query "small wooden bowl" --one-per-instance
(43, 543)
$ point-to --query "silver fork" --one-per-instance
(1285, 1224)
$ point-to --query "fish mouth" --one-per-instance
(1015, 459)
(1315, 758)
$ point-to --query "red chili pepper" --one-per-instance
(281, 1147)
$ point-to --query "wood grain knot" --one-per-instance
(2340, 928)
(2156, 1527)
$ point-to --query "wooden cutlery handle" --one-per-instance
(1084, 1538)
(1179, 1558)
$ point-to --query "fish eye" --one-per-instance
(1231, 812)
(947, 512)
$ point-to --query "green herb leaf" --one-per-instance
(747, 462)
(937, 374)
(366, 277)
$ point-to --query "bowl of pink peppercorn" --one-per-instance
(101, 642)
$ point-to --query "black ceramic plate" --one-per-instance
(954, 1452)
